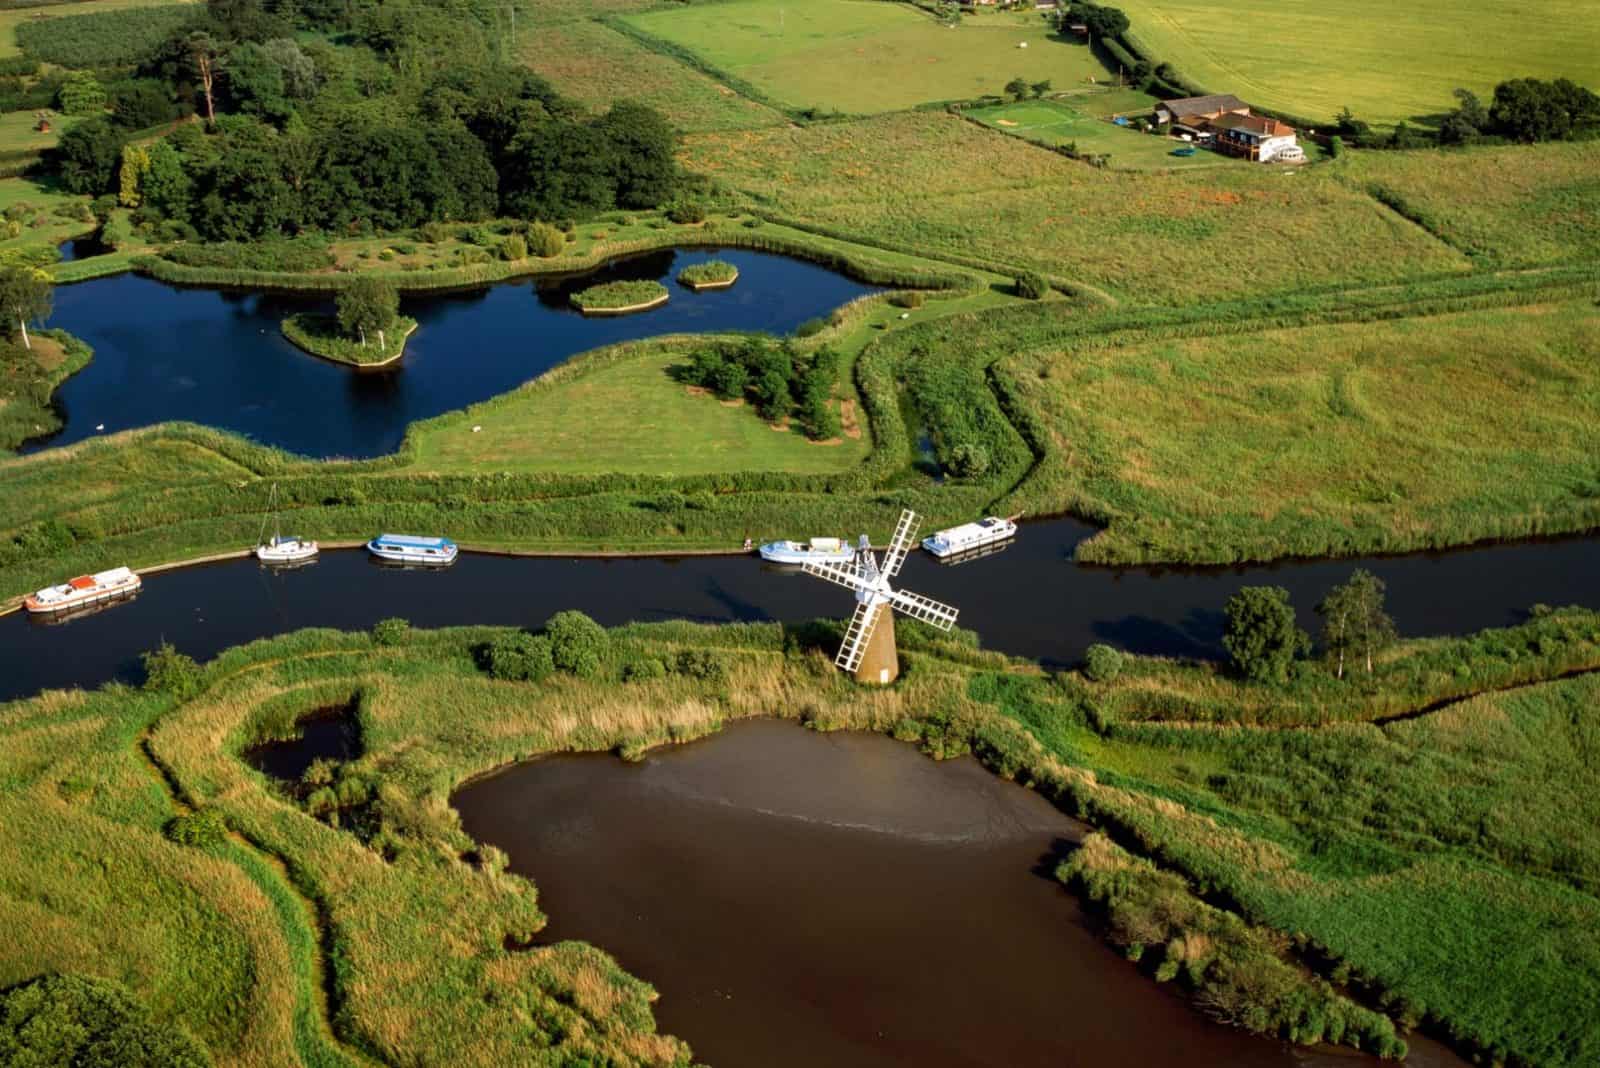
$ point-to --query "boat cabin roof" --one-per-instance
(412, 541)
(971, 530)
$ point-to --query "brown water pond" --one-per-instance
(801, 898)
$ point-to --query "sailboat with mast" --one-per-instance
(281, 550)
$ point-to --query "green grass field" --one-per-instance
(933, 182)
(856, 56)
(10, 19)
(1054, 123)
(629, 416)
(591, 62)
(1386, 62)
(1368, 433)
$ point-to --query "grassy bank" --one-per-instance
(28, 378)
(321, 335)
(1469, 820)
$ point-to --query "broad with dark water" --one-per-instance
(802, 899)
(1030, 600)
(217, 357)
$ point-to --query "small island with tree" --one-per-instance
(713, 274)
(620, 298)
(368, 330)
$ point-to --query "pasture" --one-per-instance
(1053, 123)
(1387, 62)
(590, 62)
(1411, 431)
(857, 57)
(935, 183)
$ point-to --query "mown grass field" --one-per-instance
(1370, 433)
(1386, 62)
(939, 184)
(626, 416)
(1055, 123)
(1502, 206)
(858, 57)
(595, 64)
(9, 20)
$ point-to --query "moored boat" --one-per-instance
(84, 590)
(969, 537)
(829, 550)
(412, 549)
(281, 550)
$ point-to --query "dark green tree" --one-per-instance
(1528, 109)
(253, 82)
(168, 671)
(520, 657)
(62, 1021)
(644, 148)
(577, 643)
(1017, 88)
(773, 401)
(87, 155)
(1261, 635)
(730, 380)
(1467, 122)
(367, 304)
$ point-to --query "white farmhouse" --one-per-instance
(1255, 137)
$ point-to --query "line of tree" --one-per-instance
(1525, 110)
(1263, 638)
(774, 376)
(414, 116)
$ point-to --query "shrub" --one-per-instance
(969, 460)
(752, 223)
(708, 273)
(1032, 285)
(700, 664)
(520, 657)
(436, 233)
(1262, 636)
(646, 668)
(391, 631)
(810, 328)
(687, 213)
(201, 828)
(295, 254)
(909, 298)
(72, 1020)
(1102, 663)
(730, 380)
(578, 644)
(168, 671)
(514, 247)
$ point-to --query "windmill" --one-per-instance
(868, 649)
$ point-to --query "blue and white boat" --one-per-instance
(970, 537)
(410, 549)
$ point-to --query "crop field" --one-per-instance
(1367, 433)
(1387, 62)
(629, 416)
(595, 64)
(1511, 206)
(857, 56)
(10, 20)
(1053, 123)
(937, 183)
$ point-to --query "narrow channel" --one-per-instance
(1030, 600)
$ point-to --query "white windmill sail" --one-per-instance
(870, 583)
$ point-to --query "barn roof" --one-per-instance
(1205, 105)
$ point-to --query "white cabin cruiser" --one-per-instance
(825, 550)
(411, 549)
(968, 537)
(84, 590)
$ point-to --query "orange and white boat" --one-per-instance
(84, 590)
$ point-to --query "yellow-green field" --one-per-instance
(591, 62)
(628, 417)
(1414, 428)
(1385, 61)
(938, 183)
(9, 20)
(857, 56)
(1055, 123)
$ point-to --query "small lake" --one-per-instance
(803, 899)
(165, 352)
(1030, 600)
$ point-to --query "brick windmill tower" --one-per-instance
(868, 650)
